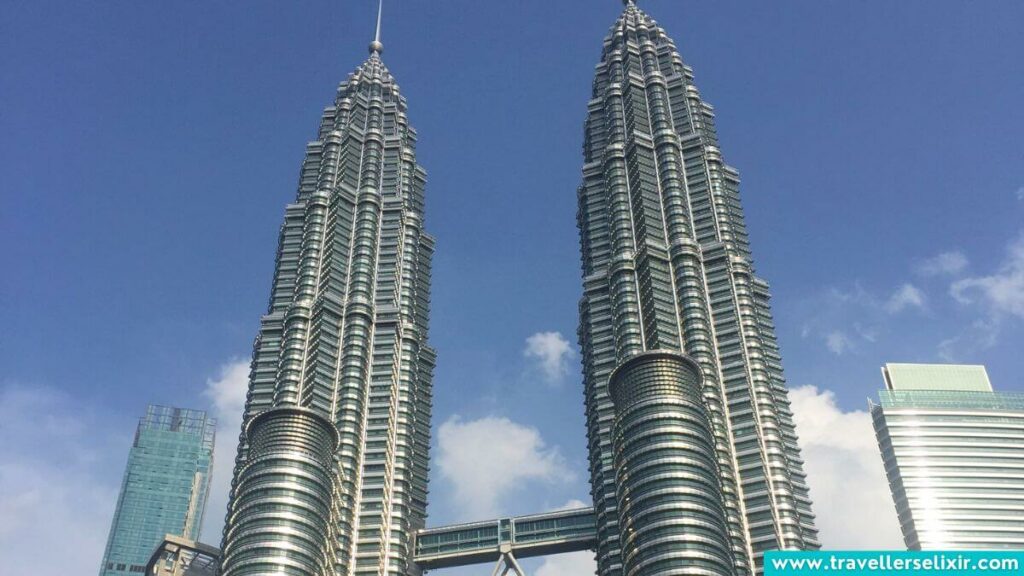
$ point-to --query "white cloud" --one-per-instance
(1020, 193)
(485, 460)
(847, 320)
(227, 393)
(228, 390)
(573, 504)
(945, 264)
(58, 482)
(551, 352)
(851, 495)
(838, 342)
(980, 335)
(572, 564)
(1002, 292)
(906, 296)
(867, 334)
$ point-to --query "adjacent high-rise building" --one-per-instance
(673, 308)
(331, 475)
(165, 487)
(953, 451)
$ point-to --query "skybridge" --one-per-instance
(506, 539)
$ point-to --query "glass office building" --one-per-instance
(667, 267)
(331, 475)
(953, 451)
(164, 489)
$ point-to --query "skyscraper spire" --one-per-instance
(377, 47)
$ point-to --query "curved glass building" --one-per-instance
(667, 267)
(953, 451)
(331, 476)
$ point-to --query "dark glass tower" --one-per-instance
(667, 268)
(331, 476)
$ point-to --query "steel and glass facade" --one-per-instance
(669, 495)
(667, 266)
(331, 476)
(165, 487)
(953, 451)
(523, 537)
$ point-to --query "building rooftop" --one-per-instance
(936, 377)
(952, 400)
(177, 556)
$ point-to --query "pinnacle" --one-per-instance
(377, 47)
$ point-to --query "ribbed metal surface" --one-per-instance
(280, 518)
(667, 479)
(667, 266)
(955, 462)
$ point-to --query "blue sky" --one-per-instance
(147, 151)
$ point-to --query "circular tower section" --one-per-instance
(668, 491)
(280, 518)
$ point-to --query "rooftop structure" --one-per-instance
(177, 556)
(955, 378)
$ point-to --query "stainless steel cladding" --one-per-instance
(667, 479)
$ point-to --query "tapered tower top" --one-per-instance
(377, 47)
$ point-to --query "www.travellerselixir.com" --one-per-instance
(906, 563)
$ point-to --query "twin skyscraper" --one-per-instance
(694, 463)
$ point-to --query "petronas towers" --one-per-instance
(667, 267)
(331, 476)
(694, 462)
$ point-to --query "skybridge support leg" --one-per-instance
(507, 563)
